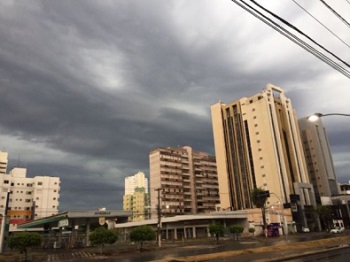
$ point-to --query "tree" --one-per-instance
(101, 236)
(216, 229)
(24, 240)
(236, 230)
(141, 234)
(259, 198)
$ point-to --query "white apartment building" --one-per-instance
(28, 198)
(3, 162)
(139, 180)
(136, 198)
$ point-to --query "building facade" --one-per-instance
(3, 162)
(319, 159)
(139, 180)
(136, 198)
(183, 181)
(28, 198)
(258, 145)
(344, 189)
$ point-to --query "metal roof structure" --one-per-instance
(79, 217)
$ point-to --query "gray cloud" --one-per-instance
(88, 88)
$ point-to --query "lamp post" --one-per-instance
(317, 116)
(285, 226)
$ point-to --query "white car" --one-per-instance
(337, 230)
(305, 229)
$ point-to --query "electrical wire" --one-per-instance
(291, 37)
(329, 30)
(300, 32)
(335, 12)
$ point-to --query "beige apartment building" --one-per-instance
(183, 181)
(258, 145)
(319, 159)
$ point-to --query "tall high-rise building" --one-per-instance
(139, 180)
(319, 159)
(184, 180)
(3, 162)
(28, 198)
(136, 197)
(257, 145)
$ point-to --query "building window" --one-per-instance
(40, 183)
(6, 181)
(29, 185)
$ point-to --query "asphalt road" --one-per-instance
(247, 249)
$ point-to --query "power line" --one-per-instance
(300, 32)
(334, 12)
(291, 37)
(329, 30)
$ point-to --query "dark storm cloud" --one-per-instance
(88, 88)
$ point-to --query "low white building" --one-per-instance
(28, 198)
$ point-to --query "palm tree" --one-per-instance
(259, 198)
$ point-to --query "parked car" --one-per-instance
(305, 229)
(337, 230)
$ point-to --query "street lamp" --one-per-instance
(316, 116)
(285, 226)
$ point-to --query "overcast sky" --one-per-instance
(88, 88)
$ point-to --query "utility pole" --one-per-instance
(3, 223)
(159, 213)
